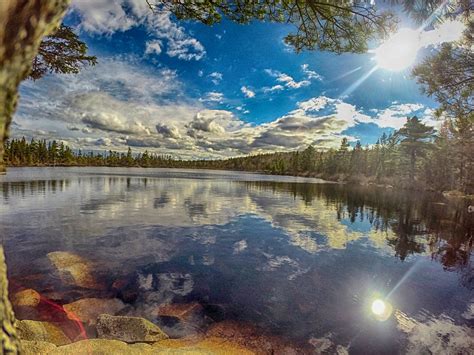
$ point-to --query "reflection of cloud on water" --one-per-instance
(240, 246)
(112, 202)
(435, 335)
(469, 313)
(275, 262)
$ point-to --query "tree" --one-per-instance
(338, 26)
(61, 52)
(24, 23)
(308, 159)
(448, 75)
(129, 157)
(415, 139)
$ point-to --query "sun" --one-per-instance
(378, 307)
(399, 51)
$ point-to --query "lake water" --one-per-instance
(299, 258)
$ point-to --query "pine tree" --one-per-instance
(415, 138)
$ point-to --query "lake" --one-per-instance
(298, 258)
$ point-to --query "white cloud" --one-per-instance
(216, 77)
(121, 103)
(315, 104)
(213, 96)
(310, 74)
(168, 130)
(186, 49)
(247, 92)
(273, 88)
(396, 115)
(448, 31)
(287, 80)
(107, 17)
(153, 47)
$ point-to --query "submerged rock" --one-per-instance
(128, 329)
(41, 331)
(74, 270)
(103, 347)
(250, 337)
(182, 311)
(205, 346)
(88, 309)
(26, 298)
(164, 347)
(30, 347)
(182, 319)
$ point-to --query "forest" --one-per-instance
(416, 156)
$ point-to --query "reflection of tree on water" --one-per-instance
(417, 222)
(406, 228)
(451, 242)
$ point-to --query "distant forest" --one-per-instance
(413, 157)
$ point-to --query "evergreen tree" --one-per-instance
(415, 138)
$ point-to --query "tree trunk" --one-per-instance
(23, 25)
(412, 166)
(10, 342)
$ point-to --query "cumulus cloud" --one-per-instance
(168, 131)
(114, 122)
(214, 121)
(247, 92)
(107, 17)
(396, 115)
(121, 103)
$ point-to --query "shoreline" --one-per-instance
(340, 180)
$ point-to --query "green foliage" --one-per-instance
(415, 138)
(338, 26)
(61, 52)
(448, 76)
(448, 73)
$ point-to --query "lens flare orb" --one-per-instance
(378, 307)
(381, 309)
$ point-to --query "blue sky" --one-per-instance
(192, 90)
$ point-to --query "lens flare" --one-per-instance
(381, 309)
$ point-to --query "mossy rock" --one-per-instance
(30, 347)
(26, 298)
(41, 331)
(102, 347)
(128, 329)
(88, 309)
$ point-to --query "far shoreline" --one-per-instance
(341, 180)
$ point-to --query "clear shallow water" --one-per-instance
(294, 256)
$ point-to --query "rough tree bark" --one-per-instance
(10, 343)
(23, 23)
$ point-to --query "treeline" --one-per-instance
(20, 152)
(414, 156)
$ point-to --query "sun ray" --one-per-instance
(352, 71)
(358, 82)
(403, 279)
